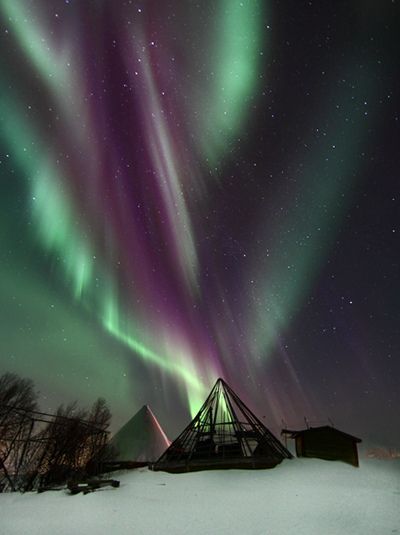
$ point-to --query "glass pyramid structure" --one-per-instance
(141, 439)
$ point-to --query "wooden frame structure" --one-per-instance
(223, 434)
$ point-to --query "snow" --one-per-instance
(300, 496)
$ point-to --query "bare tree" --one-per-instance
(100, 415)
(63, 445)
(17, 392)
(17, 401)
(75, 443)
(99, 449)
(39, 449)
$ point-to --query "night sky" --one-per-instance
(200, 189)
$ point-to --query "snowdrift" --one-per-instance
(300, 496)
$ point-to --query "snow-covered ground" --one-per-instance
(300, 496)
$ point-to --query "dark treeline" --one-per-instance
(39, 450)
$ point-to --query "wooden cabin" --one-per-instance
(325, 442)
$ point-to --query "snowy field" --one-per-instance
(300, 496)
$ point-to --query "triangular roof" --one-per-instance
(224, 434)
(141, 439)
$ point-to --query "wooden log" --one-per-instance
(91, 485)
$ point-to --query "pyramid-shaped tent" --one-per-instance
(141, 439)
(224, 434)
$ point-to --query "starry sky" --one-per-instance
(200, 189)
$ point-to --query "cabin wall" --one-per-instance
(329, 446)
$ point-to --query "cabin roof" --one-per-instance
(316, 430)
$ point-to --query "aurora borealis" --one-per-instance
(201, 189)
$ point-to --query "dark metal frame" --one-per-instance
(224, 434)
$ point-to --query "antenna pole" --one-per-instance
(284, 427)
